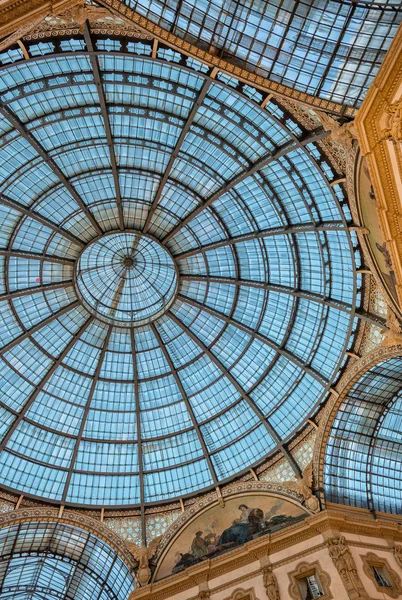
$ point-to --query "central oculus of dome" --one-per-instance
(126, 278)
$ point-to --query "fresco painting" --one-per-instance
(222, 528)
(378, 245)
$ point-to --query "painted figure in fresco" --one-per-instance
(243, 528)
(199, 547)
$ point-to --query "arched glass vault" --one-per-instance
(56, 561)
(363, 460)
(141, 163)
(331, 49)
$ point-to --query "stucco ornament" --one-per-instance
(344, 135)
(393, 130)
(143, 554)
(204, 595)
(82, 12)
(304, 487)
(270, 583)
(346, 567)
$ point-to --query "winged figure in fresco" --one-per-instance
(304, 487)
(144, 554)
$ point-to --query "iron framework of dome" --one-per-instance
(222, 285)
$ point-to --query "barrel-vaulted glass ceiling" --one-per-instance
(363, 462)
(328, 48)
(56, 561)
(177, 276)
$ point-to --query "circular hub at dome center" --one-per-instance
(126, 278)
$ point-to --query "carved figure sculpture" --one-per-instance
(304, 487)
(342, 134)
(270, 583)
(346, 567)
(143, 554)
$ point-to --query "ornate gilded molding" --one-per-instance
(71, 518)
(16, 15)
(379, 130)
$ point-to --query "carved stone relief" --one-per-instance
(270, 583)
(346, 567)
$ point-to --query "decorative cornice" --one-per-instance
(355, 521)
(17, 14)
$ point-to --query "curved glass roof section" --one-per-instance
(56, 561)
(100, 414)
(327, 48)
(126, 278)
(363, 460)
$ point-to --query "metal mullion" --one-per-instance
(28, 212)
(37, 256)
(25, 133)
(245, 237)
(86, 412)
(11, 555)
(336, 48)
(258, 336)
(105, 584)
(260, 164)
(139, 435)
(372, 319)
(284, 35)
(42, 383)
(200, 98)
(33, 290)
(28, 332)
(323, 317)
(109, 136)
(271, 430)
(187, 403)
(305, 295)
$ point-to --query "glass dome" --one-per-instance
(177, 275)
(126, 278)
